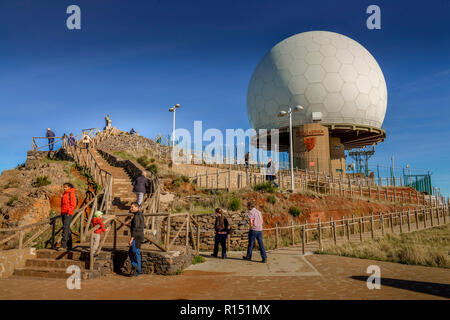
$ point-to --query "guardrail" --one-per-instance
(345, 187)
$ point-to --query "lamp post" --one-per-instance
(282, 114)
(408, 166)
(173, 130)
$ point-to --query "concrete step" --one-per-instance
(59, 273)
(68, 255)
(54, 263)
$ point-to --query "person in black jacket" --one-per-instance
(222, 229)
(51, 139)
(140, 186)
(137, 226)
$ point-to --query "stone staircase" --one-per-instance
(50, 263)
(53, 264)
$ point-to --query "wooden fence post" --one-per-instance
(168, 232)
(198, 239)
(431, 216)
(353, 224)
(187, 230)
(276, 235)
(391, 222)
(21, 232)
(347, 226)
(334, 232)
(424, 217)
(401, 221)
(363, 220)
(416, 217)
(371, 225)
(382, 223)
(360, 229)
(292, 233)
(437, 216)
(303, 239)
(319, 230)
(306, 231)
(409, 220)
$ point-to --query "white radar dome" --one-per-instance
(323, 72)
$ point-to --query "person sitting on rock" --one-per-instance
(222, 228)
(97, 220)
(132, 132)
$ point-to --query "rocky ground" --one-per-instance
(22, 201)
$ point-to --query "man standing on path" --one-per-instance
(140, 186)
(51, 139)
(136, 225)
(256, 223)
(68, 205)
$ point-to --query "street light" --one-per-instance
(173, 130)
(282, 114)
(410, 183)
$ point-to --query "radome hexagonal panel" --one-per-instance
(322, 71)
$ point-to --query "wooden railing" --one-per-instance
(36, 147)
(319, 233)
(167, 239)
(100, 176)
(230, 179)
(42, 227)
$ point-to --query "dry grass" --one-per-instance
(429, 247)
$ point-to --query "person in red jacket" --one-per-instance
(97, 220)
(68, 205)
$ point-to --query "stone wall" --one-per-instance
(12, 259)
(133, 168)
(155, 262)
(238, 237)
(35, 157)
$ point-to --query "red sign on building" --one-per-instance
(312, 163)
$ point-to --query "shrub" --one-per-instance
(294, 211)
(177, 182)
(272, 199)
(153, 168)
(265, 186)
(41, 181)
(198, 259)
(12, 200)
(143, 161)
(152, 160)
(185, 178)
(235, 204)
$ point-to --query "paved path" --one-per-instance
(310, 277)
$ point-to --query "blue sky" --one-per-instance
(134, 59)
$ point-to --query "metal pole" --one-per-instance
(291, 148)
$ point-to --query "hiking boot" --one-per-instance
(246, 258)
(213, 255)
(264, 260)
(133, 272)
